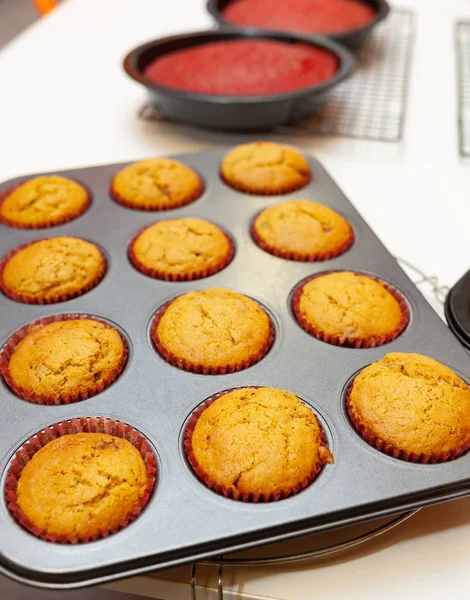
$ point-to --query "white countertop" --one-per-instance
(66, 102)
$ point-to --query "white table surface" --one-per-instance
(66, 102)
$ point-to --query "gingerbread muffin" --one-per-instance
(265, 168)
(302, 230)
(256, 444)
(51, 270)
(43, 202)
(411, 407)
(351, 309)
(156, 184)
(212, 331)
(81, 486)
(181, 249)
(62, 359)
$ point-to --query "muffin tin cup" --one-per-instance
(296, 256)
(128, 204)
(193, 276)
(89, 425)
(53, 223)
(10, 345)
(391, 450)
(230, 492)
(201, 369)
(336, 340)
(25, 299)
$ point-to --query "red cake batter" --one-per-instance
(300, 16)
(243, 67)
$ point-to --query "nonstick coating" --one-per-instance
(185, 521)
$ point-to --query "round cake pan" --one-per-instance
(352, 38)
(457, 310)
(245, 113)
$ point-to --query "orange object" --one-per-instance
(44, 6)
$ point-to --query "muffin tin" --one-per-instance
(184, 520)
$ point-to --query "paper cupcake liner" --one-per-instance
(25, 299)
(283, 189)
(229, 492)
(10, 345)
(391, 450)
(201, 274)
(350, 342)
(52, 223)
(185, 365)
(89, 425)
(183, 202)
(312, 257)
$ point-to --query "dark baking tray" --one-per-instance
(457, 309)
(185, 521)
(352, 38)
(233, 112)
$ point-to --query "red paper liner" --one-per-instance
(313, 257)
(350, 342)
(83, 424)
(13, 341)
(157, 274)
(129, 204)
(25, 299)
(229, 492)
(282, 189)
(52, 223)
(183, 364)
(391, 450)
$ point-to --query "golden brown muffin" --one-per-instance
(258, 442)
(302, 230)
(43, 202)
(82, 485)
(156, 184)
(265, 168)
(181, 249)
(212, 331)
(350, 309)
(65, 360)
(412, 407)
(51, 270)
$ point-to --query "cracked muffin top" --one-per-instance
(43, 202)
(302, 230)
(104, 478)
(179, 249)
(51, 270)
(412, 404)
(213, 328)
(66, 359)
(259, 441)
(265, 168)
(348, 307)
(156, 184)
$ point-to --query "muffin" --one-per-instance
(51, 270)
(350, 309)
(302, 230)
(156, 184)
(105, 479)
(43, 202)
(181, 249)
(411, 407)
(256, 443)
(265, 168)
(212, 331)
(62, 359)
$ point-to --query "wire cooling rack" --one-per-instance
(462, 43)
(371, 104)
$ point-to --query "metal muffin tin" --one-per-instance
(353, 38)
(184, 520)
